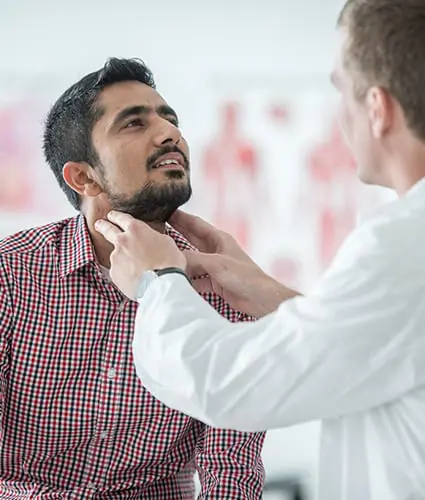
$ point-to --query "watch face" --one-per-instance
(146, 280)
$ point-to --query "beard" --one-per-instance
(155, 202)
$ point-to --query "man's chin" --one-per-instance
(159, 214)
(156, 202)
(172, 174)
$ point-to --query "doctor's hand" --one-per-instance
(233, 274)
(137, 248)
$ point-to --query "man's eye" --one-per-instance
(174, 121)
(137, 122)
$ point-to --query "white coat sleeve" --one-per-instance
(354, 343)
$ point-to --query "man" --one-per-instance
(75, 420)
(352, 351)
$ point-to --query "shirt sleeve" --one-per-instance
(6, 325)
(229, 465)
(354, 343)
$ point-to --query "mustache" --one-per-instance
(163, 151)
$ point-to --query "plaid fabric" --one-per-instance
(75, 420)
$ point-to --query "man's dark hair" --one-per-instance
(69, 124)
(386, 48)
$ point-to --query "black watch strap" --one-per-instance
(172, 270)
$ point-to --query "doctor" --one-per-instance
(352, 351)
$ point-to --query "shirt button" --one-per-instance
(103, 435)
(92, 486)
(112, 373)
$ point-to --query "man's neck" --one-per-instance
(103, 248)
(405, 184)
(407, 166)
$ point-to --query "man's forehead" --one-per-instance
(124, 94)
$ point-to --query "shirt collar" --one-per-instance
(181, 242)
(413, 195)
(417, 188)
(76, 249)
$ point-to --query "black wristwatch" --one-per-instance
(149, 276)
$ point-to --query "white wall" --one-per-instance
(189, 44)
(187, 39)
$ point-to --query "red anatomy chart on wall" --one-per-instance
(16, 160)
(334, 187)
(234, 165)
(230, 167)
(27, 187)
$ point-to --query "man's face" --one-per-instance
(355, 119)
(144, 161)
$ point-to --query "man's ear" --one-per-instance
(81, 178)
(380, 110)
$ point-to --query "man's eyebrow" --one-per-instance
(165, 110)
(162, 110)
(130, 111)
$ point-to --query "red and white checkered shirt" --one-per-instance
(75, 420)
